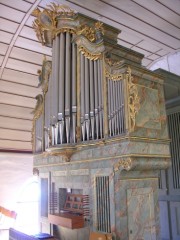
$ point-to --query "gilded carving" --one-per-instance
(113, 76)
(56, 19)
(44, 75)
(45, 24)
(133, 100)
(66, 153)
(123, 164)
(88, 54)
(111, 62)
(87, 31)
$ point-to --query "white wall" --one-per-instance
(15, 170)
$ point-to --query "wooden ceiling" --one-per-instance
(150, 27)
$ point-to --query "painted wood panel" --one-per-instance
(1, 59)
(19, 89)
(28, 32)
(150, 47)
(3, 48)
(175, 219)
(7, 98)
(129, 38)
(147, 16)
(161, 9)
(14, 135)
(29, 56)
(173, 5)
(130, 21)
(19, 5)
(11, 14)
(22, 66)
(164, 220)
(16, 112)
(140, 50)
(33, 46)
(5, 37)
(8, 26)
(16, 124)
(20, 77)
(16, 145)
(30, 21)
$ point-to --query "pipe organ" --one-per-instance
(99, 129)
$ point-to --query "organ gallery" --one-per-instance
(99, 132)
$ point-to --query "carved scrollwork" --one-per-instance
(123, 164)
(133, 100)
(58, 18)
(87, 31)
(113, 76)
(88, 54)
(45, 24)
(44, 75)
(111, 62)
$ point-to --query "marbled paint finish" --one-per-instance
(137, 208)
(151, 120)
(148, 115)
(134, 211)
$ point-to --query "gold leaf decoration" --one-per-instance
(123, 164)
(87, 31)
(133, 100)
(113, 76)
(89, 55)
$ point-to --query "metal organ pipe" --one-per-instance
(91, 97)
(87, 98)
(61, 88)
(96, 99)
(55, 89)
(67, 85)
(82, 99)
(100, 98)
(52, 120)
(74, 95)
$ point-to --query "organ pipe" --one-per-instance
(82, 98)
(80, 95)
(74, 90)
(87, 97)
(91, 98)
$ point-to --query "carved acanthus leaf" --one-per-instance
(133, 100)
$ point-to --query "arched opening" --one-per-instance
(28, 208)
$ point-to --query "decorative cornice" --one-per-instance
(142, 163)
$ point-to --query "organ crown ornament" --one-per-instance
(60, 18)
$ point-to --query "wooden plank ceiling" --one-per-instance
(150, 27)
